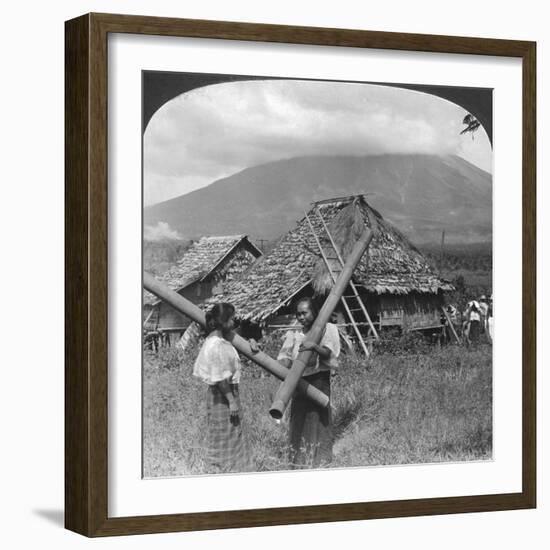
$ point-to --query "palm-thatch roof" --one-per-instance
(392, 265)
(200, 261)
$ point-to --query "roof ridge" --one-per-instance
(334, 200)
(223, 237)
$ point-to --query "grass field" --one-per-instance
(427, 404)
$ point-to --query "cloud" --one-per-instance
(160, 232)
(215, 131)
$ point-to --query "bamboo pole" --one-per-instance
(449, 321)
(187, 308)
(287, 388)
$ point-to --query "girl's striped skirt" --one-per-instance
(226, 446)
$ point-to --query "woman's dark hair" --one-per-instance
(311, 303)
(218, 315)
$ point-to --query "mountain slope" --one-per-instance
(421, 194)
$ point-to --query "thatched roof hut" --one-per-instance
(394, 276)
(205, 259)
(204, 268)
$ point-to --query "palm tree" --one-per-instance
(472, 124)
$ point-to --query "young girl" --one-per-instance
(218, 365)
(310, 429)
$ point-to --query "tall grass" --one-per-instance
(411, 406)
(417, 408)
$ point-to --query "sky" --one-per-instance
(219, 130)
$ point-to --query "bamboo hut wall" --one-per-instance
(423, 310)
(149, 320)
(413, 310)
(409, 311)
(169, 318)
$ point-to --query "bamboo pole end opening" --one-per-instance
(277, 409)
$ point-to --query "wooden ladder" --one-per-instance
(152, 319)
(146, 322)
(353, 304)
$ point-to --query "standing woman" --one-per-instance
(311, 436)
(473, 316)
(218, 365)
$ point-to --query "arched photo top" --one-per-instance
(160, 87)
(220, 125)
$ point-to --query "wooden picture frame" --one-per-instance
(86, 280)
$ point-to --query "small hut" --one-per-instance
(206, 266)
(396, 283)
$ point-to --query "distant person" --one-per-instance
(484, 307)
(310, 429)
(218, 366)
(452, 312)
(151, 340)
(164, 338)
(473, 320)
(490, 320)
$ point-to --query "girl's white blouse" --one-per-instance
(217, 360)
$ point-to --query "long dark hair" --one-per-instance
(218, 315)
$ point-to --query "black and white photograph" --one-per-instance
(273, 239)
(317, 274)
